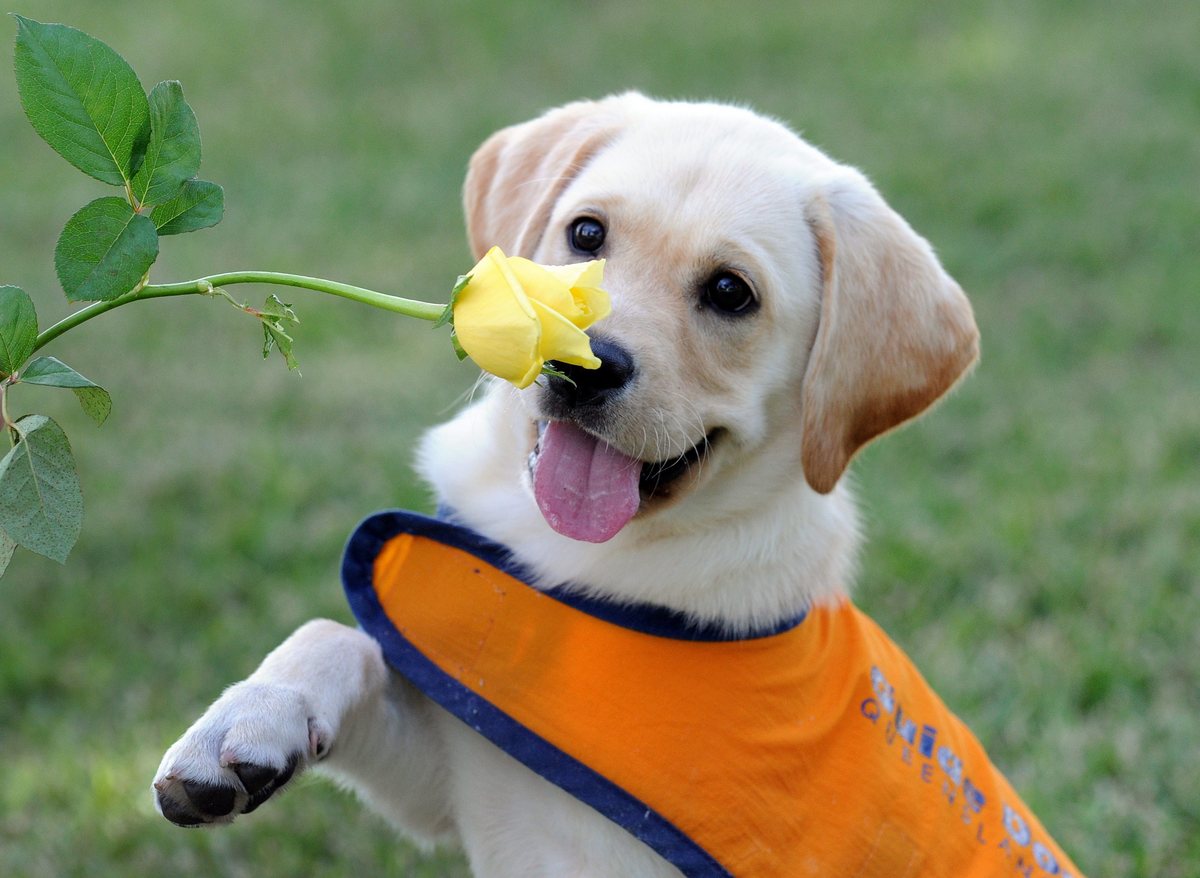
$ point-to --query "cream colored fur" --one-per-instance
(858, 329)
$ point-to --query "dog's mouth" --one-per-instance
(588, 490)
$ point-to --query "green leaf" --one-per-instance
(41, 506)
(173, 153)
(281, 310)
(447, 316)
(550, 372)
(18, 328)
(7, 547)
(82, 98)
(105, 249)
(52, 372)
(274, 335)
(459, 350)
(273, 314)
(198, 205)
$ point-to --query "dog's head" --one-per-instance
(771, 314)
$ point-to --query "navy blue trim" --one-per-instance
(558, 767)
(661, 621)
(646, 618)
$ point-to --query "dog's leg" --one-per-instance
(324, 696)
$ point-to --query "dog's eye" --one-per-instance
(586, 235)
(728, 293)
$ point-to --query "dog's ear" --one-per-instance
(518, 174)
(895, 331)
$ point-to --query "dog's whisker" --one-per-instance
(467, 396)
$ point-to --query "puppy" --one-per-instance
(771, 315)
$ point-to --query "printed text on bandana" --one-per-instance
(916, 744)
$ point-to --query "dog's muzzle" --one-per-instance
(586, 488)
(591, 388)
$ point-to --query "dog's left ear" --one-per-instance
(517, 175)
(895, 331)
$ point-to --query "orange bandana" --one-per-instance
(814, 749)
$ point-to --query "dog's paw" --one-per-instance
(245, 748)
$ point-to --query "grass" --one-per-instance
(1034, 543)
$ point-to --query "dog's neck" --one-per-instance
(748, 553)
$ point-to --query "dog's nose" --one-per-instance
(594, 386)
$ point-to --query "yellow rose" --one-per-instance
(515, 315)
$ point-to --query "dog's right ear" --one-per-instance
(519, 173)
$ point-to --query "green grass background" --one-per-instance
(1033, 543)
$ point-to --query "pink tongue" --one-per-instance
(585, 488)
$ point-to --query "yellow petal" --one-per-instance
(593, 304)
(495, 321)
(584, 280)
(579, 274)
(543, 285)
(562, 340)
(535, 369)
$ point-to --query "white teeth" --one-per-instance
(537, 446)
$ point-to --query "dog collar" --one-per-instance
(814, 748)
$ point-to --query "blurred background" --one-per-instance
(1034, 543)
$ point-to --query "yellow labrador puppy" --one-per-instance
(771, 315)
